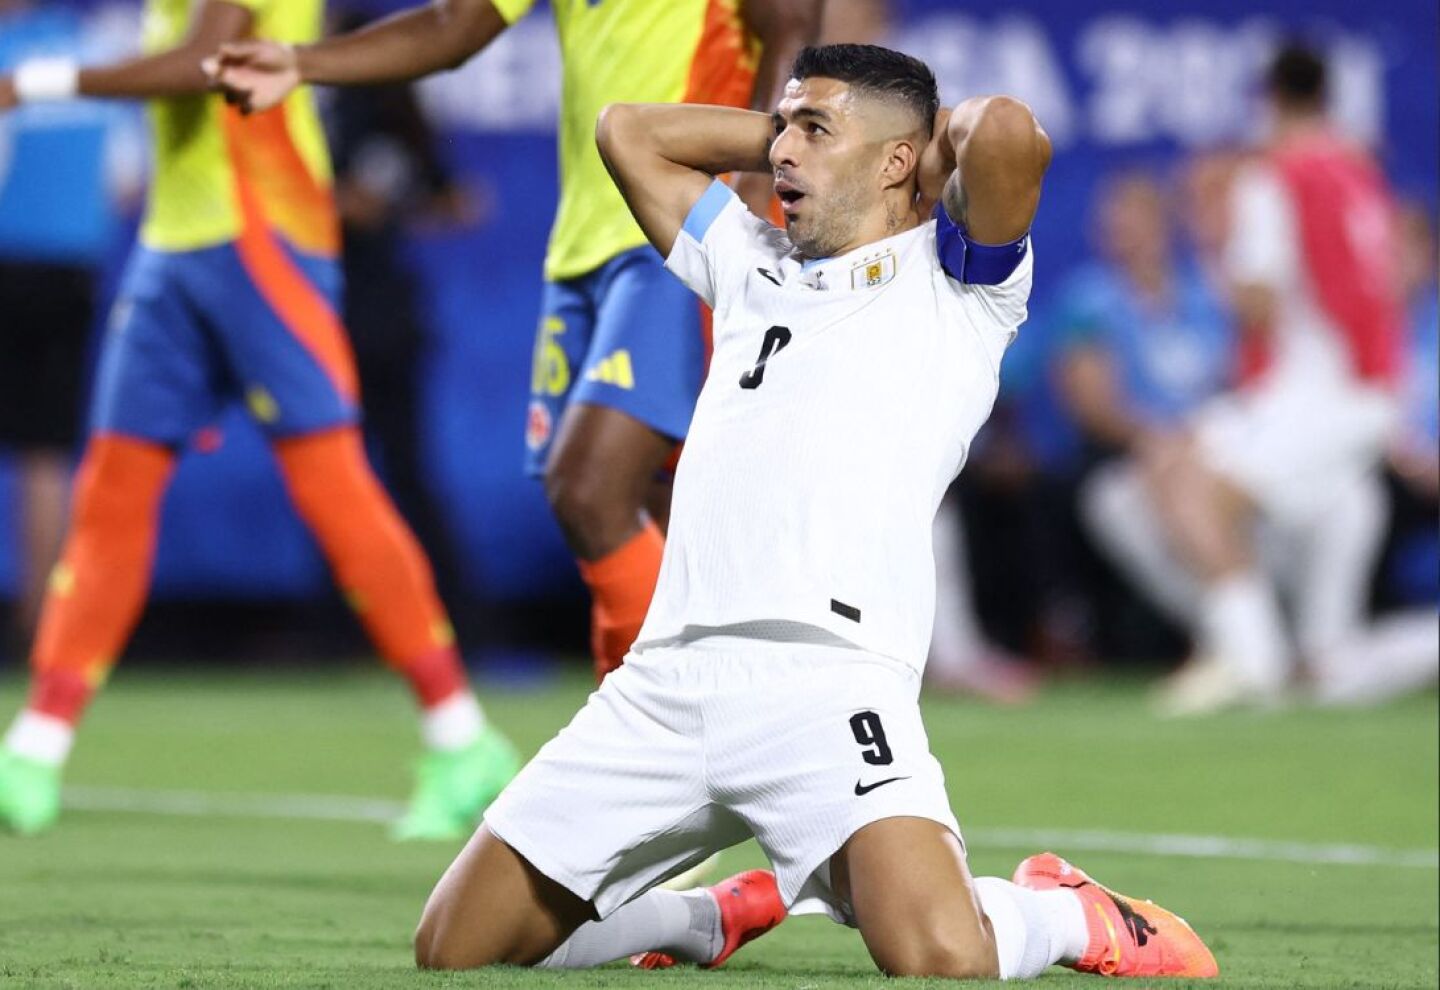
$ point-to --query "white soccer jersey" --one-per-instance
(841, 401)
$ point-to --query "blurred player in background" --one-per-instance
(1311, 258)
(620, 354)
(231, 294)
(56, 228)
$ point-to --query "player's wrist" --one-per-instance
(46, 80)
(301, 60)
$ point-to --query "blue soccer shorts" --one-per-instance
(193, 330)
(626, 336)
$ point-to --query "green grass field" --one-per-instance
(226, 885)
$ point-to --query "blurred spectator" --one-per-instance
(56, 230)
(1310, 257)
(1143, 341)
(1205, 180)
(389, 180)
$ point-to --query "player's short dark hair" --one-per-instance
(876, 70)
(1297, 76)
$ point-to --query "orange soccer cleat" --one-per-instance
(749, 907)
(1128, 937)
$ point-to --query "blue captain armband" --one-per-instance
(971, 262)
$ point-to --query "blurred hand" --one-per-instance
(254, 75)
(937, 162)
(8, 99)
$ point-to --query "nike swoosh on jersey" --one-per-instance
(768, 274)
(863, 789)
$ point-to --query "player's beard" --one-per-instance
(830, 221)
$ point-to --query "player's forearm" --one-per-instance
(407, 45)
(173, 73)
(708, 139)
(783, 28)
(661, 157)
(1000, 153)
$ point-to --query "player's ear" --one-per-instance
(902, 157)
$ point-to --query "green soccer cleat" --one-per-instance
(29, 794)
(452, 789)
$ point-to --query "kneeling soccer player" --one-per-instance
(773, 689)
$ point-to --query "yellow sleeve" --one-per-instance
(253, 5)
(513, 10)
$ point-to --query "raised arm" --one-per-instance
(173, 72)
(663, 156)
(991, 155)
(783, 28)
(443, 34)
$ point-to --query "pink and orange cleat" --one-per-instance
(1128, 937)
(750, 906)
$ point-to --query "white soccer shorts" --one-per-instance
(690, 749)
(1290, 443)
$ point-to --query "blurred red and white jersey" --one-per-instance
(1315, 223)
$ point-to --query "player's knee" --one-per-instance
(582, 497)
(429, 952)
(437, 945)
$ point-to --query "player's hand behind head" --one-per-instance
(937, 162)
(8, 99)
(254, 75)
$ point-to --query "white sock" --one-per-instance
(1336, 557)
(1240, 625)
(454, 723)
(684, 924)
(41, 738)
(1118, 514)
(1034, 929)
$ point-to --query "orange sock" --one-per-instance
(621, 585)
(376, 560)
(99, 586)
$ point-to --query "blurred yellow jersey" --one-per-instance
(633, 51)
(217, 172)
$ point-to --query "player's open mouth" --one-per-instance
(789, 196)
